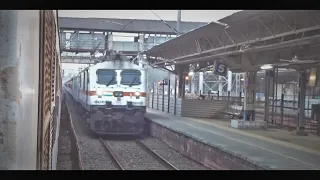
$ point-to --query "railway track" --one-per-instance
(128, 154)
(134, 155)
(156, 155)
(112, 156)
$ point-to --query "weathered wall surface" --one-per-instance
(19, 75)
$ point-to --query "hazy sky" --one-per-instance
(186, 15)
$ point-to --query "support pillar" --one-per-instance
(249, 96)
(220, 86)
(267, 78)
(141, 49)
(141, 42)
(110, 41)
(182, 81)
(229, 82)
(301, 103)
(183, 86)
(175, 95)
(192, 84)
(238, 84)
(201, 83)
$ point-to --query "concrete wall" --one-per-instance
(19, 82)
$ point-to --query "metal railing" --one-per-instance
(159, 94)
(283, 112)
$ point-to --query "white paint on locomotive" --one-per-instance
(96, 84)
(110, 84)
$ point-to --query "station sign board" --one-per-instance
(220, 69)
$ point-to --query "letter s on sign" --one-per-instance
(221, 68)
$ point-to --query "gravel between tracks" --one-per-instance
(175, 158)
(129, 154)
(133, 157)
(64, 161)
(92, 152)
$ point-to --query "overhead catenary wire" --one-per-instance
(165, 22)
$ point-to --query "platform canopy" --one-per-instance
(126, 25)
(245, 41)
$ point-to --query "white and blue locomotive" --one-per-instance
(113, 94)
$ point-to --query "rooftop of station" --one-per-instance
(246, 40)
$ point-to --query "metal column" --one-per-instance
(153, 89)
(238, 84)
(302, 100)
(249, 95)
(110, 41)
(266, 95)
(178, 22)
(201, 83)
(175, 95)
(229, 82)
(163, 95)
(141, 49)
(169, 95)
(192, 84)
(220, 86)
(182, 84)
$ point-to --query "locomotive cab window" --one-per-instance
(106, 76)
(130, 77)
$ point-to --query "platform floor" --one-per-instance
(258, 148)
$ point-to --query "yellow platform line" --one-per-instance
(282, 143)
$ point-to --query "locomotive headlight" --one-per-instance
(137, 93)
(99, 93)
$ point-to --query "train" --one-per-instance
(30, 93)
(113, 95)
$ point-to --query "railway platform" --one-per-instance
(262, 148)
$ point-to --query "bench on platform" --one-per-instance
(234, 111)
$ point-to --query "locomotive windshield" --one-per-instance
(106, 77)
(130, 77)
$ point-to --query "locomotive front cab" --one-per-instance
(120, 102)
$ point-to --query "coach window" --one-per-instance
(130, 77)
(106, 76)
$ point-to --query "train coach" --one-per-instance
(30, 81)
(113, 95)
